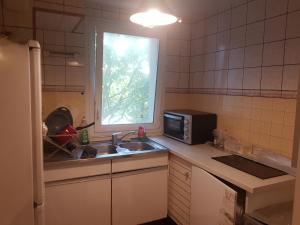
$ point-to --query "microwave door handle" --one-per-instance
(173, 117)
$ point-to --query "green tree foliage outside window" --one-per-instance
(129, 79)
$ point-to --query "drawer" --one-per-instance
(65, 172)
(137, 162)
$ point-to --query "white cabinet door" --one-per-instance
(212, 202)
(79, 202)
(139, 197)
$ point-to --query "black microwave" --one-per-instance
(189, 126)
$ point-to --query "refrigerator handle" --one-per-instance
(36, 107)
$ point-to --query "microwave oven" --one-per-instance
(189, 126)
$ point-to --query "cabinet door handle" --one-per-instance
(187, 176)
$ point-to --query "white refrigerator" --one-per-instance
(21, 149)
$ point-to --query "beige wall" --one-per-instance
(265, 122)
(74, 101)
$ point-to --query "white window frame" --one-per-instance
(95, 95)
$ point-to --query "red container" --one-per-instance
(66, 135)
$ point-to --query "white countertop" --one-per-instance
(201, 156)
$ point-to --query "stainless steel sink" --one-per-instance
(106, 149)
(103, 149)
(137, 146)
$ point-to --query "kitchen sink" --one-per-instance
(106, 149)
(99, 149)
(137, 146)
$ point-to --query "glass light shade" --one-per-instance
(153, 18)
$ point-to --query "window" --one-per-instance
(129, 78)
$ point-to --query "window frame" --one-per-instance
(99, 28)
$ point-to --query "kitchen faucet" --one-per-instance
(114, 136)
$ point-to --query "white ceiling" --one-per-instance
(184, 8)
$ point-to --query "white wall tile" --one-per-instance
(255, 33)
(55, 75)
(273, 53)
(197, 63)
(210, 43)
(183, 80)
(196, 80)
(222, 60)
(54, 37)
(184, 64)
(235, 3)
(294, 5)
(276, 7)
(1, 15)
(75, 39)
(173, 47)
(293, 25)
(238, 37)
(20, 35)
(224, 20)
(208, 79)
(236, 58)
(18, 13)
(271, 78)
(110, 14)
(210, 61)
(197, 46)
(253, 55)
(292, 51)
(223, 40)
(184, 31)
(48, 6)
(211, 25)
(39, 36)
(80, 55)
(173, 64)
(221, 79)
(252, 77)
(238, 16)
(73, 9)
(235, 79)
(77, 3)
(275, 28)
(290, 77)
(256, 10)
(185, 48)
(75, 76)
(171, 80)
(198, 29)
(54, 61)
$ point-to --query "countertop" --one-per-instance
(201, 156)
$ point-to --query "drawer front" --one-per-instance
(77, 171)
(179, 190)
(139, 162)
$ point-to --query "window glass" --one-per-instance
(129, 79)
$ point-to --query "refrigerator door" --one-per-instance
(37, 139)
(16, 189)
(212, 202)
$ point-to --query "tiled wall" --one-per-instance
(263, 122)
(60, 78)
(247, 48)
(178, 56)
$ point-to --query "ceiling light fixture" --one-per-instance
(153, 13)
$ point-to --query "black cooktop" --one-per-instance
(249, 166)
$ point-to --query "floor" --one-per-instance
(166, 221)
